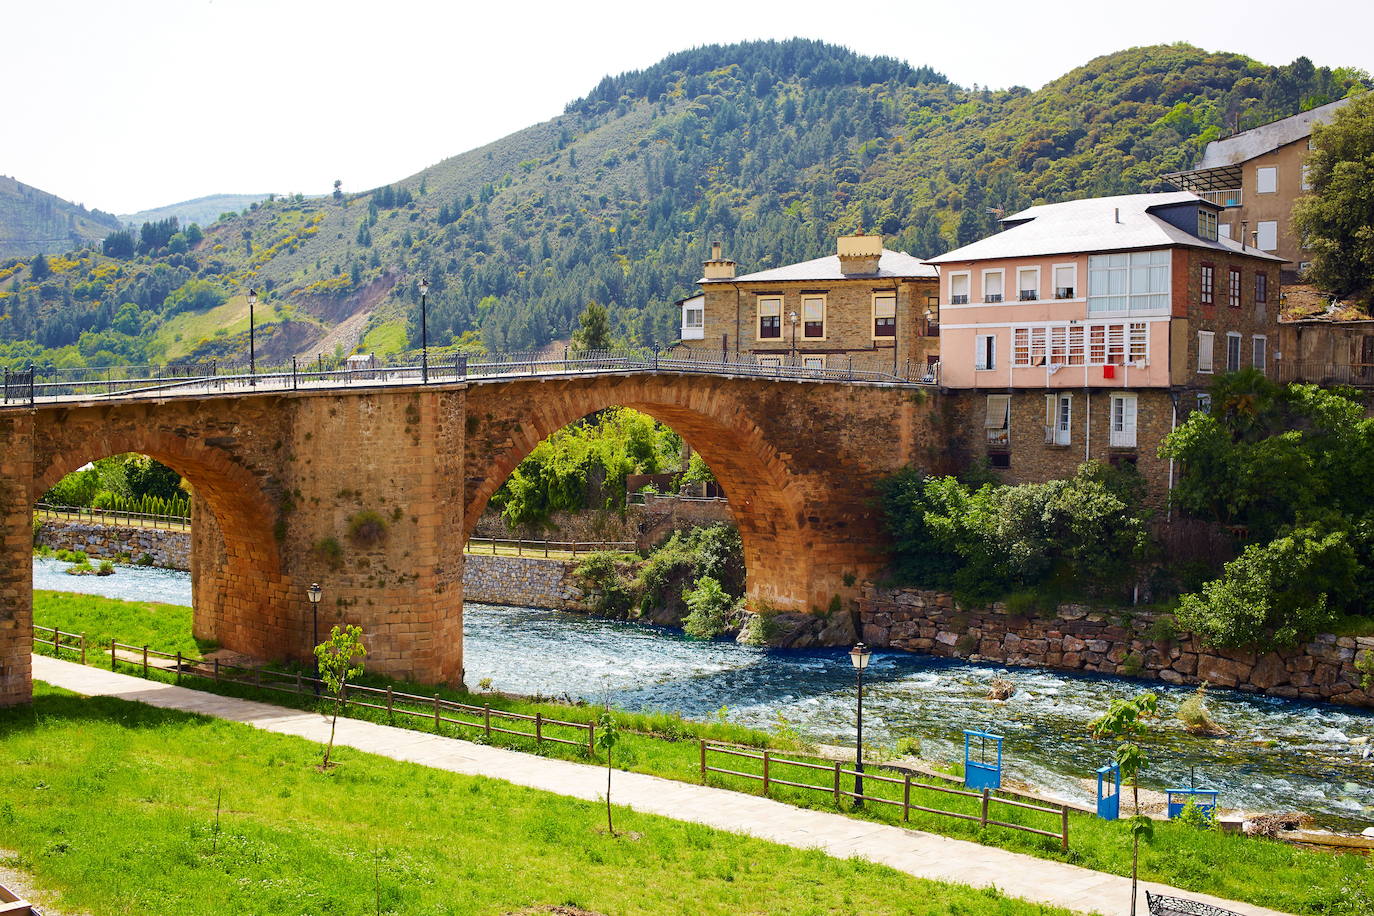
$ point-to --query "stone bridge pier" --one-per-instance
(373, 493)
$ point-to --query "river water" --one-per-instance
(1278, 755)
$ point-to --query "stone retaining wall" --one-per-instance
(646, 524)
(170, 549)
(1081, 638)
(524, 581)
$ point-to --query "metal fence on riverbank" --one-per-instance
(113, 517)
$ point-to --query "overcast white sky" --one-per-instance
(131, 105)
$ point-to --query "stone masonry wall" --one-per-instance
(169, 549)
(523, 581)
(646, 524)
(1080, 638)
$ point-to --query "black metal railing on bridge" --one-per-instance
(37, 384)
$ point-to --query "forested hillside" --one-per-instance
(771, 147)
(33, 221)
(202, 210)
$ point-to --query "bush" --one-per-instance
(1196, 717)
(367, 529)
(711, 609)
(605, 583)
(106, 568)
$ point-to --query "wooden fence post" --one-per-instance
(83, 648)
(703, 760)
(390, 716)
(538, 729)
(299, 688)
(486, 718)
(906, 796)
(145, 661)
(112, 653)
(217, 669)
(837, 783)
(591, 739)
(178, 673)
(765, 772)
(1064, 828)
(436, 712)
(984, 821)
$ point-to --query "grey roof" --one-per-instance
(891, 265)
(1121, 223)
(1257, 141)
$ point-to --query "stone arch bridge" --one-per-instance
(373, 489)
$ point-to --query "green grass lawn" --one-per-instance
(111, 806)
(138, 623)
(1264, 872)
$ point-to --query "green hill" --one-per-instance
(33, 221)
(771, 147)
(202, 210)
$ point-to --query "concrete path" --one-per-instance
(924, 855)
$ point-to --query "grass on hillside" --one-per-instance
(179, 335)
(112, 806)
(1263, 872)
(386, 339)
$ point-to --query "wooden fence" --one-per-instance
(838, 773)
(394, 703)
(535, 548)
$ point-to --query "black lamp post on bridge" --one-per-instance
(252, 342)
(424, 331)
(314, 592)
(858, 657)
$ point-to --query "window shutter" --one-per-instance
(885, 307)
(998, 407)
(1051, 416)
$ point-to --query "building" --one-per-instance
(1256, 175)
(863, 306)
(1085, 329)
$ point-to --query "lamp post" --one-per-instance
(252, 343)
(424, 331)
(859, 656)
(793, 320)
(315, 593)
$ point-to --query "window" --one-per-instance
(992, 286)
(1058, 419)
(1209, 279)
(999, 459)
(1268, 232)
(1306, 177)
(770, 318)
(770, 360)
(1261, 287)
(694, 318)
(1077, 344)
(1232, 351)
(1204, 402)
(1207, 224)
(932, 316)
(998, 420)
(1028, 283)
(1259, 351)
(1233, 288)
(1065, 281)
(884, 315)
(1224, 231)
(958, 289)
(1266, 179)
(813, 317)
(1123, 420)
(1303, 266)
(1205, 347)
(813, 362)
(985, 356)
(1133, 283)
(1138, 343)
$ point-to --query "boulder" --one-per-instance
(1270, 671)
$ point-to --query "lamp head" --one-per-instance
(315, 592)
(252, 297)
(424, 287)
(859, 656)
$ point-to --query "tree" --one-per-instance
(339, 658)
(1127, 721)
(39, 269)
(338, 189)
(1337, 217)
(607, 734)
(118, 244)
(593, 329)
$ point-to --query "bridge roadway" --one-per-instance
(370, 480)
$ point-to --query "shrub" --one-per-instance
(37, 529)
(1195, 716)
(146, 560)
(1196, 817)
(367, 529)
(1164, 629)
(908, 746)
(328, 550)
(106, 568)
(711, 609)
(604, 582)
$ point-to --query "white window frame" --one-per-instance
(759, 316)
(1059, 419)
(1150, 301)
(813, 360)
(1022, 287)
(873, 326)
(985, 352)
(1259, 352)
(1207, 227)
(825, 308)
(967, 277)
(1233, 336)
(1123, 421)
(771, 361)
(1206, 352)
(1267, 230)
(1266, 179)
(998, 425)
(694, 330)
(1001, 276)
(1204, 402)
(1054, 272)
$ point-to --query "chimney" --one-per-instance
(859, 253)
(718, 268)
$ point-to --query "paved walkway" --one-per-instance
(924, 855)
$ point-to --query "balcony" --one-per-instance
(1121, 438)
(993, 297)
(1226, 197)
(1029, 295)
(1316, 372)
(959, 299)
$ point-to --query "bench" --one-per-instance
(1161, 905)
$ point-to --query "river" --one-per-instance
(1278, 755)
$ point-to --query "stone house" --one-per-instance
(864, 306)
(1087, 329)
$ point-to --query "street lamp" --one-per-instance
(315, 593)
(859, 656)
(252, 344)
(792, 318)
(424, 331)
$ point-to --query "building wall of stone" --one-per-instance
(1277, 206)
(1220, 318)
(167, 549)
(644, 524)
(1110, 641)
(16, 558)
(522, 582)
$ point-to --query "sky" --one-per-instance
(138, 104)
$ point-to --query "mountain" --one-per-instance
(33, 221)
(202, 210)
(771, 147)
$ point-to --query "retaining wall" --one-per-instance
(1082, 638)
(169, 549)
(646, 524)
(525, 581)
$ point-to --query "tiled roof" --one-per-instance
(1122, 223)
(891, 265)
(1257, 141)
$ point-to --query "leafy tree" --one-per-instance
(607, 734)
(195, 296)
(1127, 721)
(338, 189)
(593, 330)
(1337, 217)
(339, 658)
(118, 244)
(710, 609)
(39, 269)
